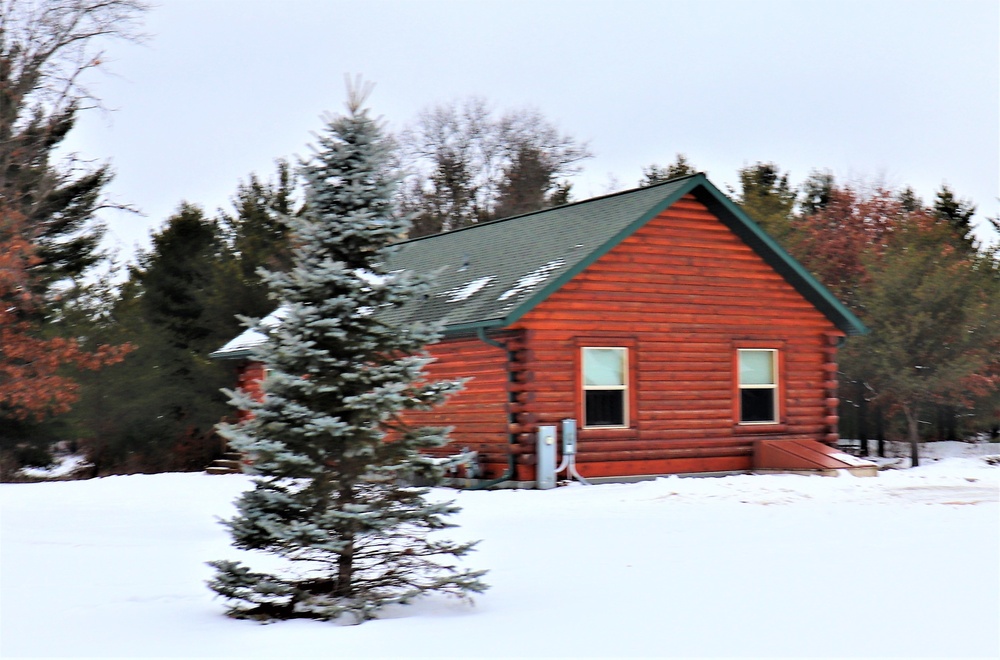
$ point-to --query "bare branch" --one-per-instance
(45, 46)
(466, 164)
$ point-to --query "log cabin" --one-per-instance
(662, 324)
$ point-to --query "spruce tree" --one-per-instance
(958, 213)
(334, 459)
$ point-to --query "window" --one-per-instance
(758, 386)
(605, 389)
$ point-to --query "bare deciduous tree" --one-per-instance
(47, 45)
(465, 164)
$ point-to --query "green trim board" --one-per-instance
(491, 274)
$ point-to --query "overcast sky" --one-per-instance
(904, 92)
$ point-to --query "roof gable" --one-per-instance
(781, 261)
(491, 274)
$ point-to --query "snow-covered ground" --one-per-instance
(906, 565)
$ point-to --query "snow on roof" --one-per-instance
(375, 279)
(533, 279)
(251, 337)
(241, 345)
(467, 290)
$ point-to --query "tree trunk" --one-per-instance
(913, 429)
(880, 431)
(952, 423)
(345, 560)
(345, 568)
(862, 419)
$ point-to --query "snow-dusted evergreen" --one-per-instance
(335, 463)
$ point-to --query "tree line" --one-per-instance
(121, 372)
(915, 274)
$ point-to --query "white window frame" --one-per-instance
(623, 388)
(773, 386)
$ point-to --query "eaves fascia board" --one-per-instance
(542, 294)
(778, 258)
(230, 355)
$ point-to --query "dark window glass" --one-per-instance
(605, 407)
(757, 405)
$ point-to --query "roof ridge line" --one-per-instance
(552, 208)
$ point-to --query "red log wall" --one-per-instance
(683, 293)
(479, 413)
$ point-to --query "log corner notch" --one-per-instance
(834, 340)
(518, 420)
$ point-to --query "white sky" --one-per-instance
(906, 92)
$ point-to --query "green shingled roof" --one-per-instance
(491, 274)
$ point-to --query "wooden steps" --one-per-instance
(808, 457)
(230, 463)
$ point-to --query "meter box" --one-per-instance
(546, 466)
(569, 437)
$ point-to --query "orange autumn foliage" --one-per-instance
(833, 242)
(31, 382)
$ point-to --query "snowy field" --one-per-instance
(903, 565)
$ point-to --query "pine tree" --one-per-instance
(157, 410)
(909, 201)
(255, 231)
(254, 237)
(174, 277)
(45, 50)
(817, 191)
(958, 214)
(655, 174)
(767, 197)
(49, 233)
(333, 456)
(529, 184)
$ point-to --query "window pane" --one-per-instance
(756, 367)
(605, 408)
(604, 366)
(757, 405)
